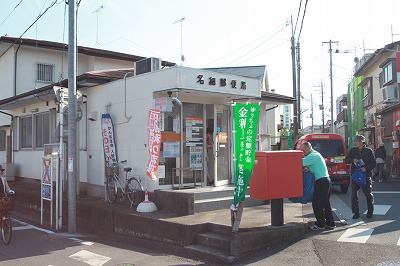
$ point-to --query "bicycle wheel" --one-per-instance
(6, 228)
(134, 191)
(111, 190)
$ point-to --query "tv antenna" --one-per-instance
(180, 21)
(97, 24)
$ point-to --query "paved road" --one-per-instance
(374, 241)
(32, 245)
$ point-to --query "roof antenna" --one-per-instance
(97, 25)
(181, 20)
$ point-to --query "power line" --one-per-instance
(19, 38)
(257, 45)
(11, 12)
(298, 13)
(304, 14)
(285, 23)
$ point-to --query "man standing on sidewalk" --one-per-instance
(322, 188)
(361, 152)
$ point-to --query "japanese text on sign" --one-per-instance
(246, 121)
(154, 143)
(108, 140)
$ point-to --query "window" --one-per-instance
(45, 72)
(367, 87)
(388, 74)
(2, 140)
(26, 132)
(42, 131)
(35, 131)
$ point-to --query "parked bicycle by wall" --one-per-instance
(116, 187)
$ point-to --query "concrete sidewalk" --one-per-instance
(207, 234)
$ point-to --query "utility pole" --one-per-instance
(331, 78)
(321, 107)
(298, 84)
(295, 110)
(312, 115)
(72, 117)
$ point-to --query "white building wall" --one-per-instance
(130, 134)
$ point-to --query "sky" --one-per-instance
(221, 33)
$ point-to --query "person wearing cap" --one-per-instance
(380, 155)
(361, 152)
(4, 187)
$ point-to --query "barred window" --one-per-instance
(45, 72)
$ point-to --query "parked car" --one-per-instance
(332, 147)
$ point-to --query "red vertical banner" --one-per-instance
(154, 143)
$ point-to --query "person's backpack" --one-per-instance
(308, 188)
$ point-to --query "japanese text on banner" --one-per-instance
(246, 121)
(154, 143)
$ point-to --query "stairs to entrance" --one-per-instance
(218, 198)
(214, 244)
(200, 199)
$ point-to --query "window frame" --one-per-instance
(45, 72)
(388, 74)
(39, 133)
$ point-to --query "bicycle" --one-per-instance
(130, 188)
(6, 225)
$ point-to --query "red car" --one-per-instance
(334, 151)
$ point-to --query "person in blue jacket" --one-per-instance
(322, 188)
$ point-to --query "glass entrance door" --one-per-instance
(222, 148)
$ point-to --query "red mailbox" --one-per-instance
(277, 175)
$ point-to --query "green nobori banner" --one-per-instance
(246, 121)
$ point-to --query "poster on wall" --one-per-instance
(194, 131)
(171, 149)
(154, 143)
(109, 145)
(196, 157)
(246, 121)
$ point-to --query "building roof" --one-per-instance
(375, 57)
(11, 41)
(46, 93)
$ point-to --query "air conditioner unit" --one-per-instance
(390, 93)
(147, 65)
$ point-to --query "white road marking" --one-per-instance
(380, 209)
(356, 235)
(87, 243)
(398, 242)
(90, 258)
(343, 212)
(26, 226)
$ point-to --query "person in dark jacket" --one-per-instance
(380, 155)
(361, 152)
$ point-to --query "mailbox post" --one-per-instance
(277, 175)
